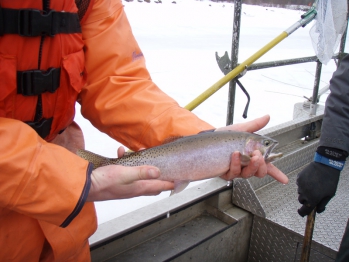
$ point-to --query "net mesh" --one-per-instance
(82, 7)
(331, 21)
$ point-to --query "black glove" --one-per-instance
(317, 184)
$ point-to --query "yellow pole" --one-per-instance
(237, 70)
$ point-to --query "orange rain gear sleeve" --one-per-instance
(43, 191)
(30, 162)
(120, 98)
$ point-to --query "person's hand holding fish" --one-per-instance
(229, 152)
(257, 165)
(120, 182)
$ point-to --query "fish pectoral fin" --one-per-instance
(180, 185)
(245, 159)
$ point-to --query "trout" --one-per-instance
(192, 158)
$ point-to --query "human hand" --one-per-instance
(121, 151)
(257, 165)
(317, 184)
(120, 182)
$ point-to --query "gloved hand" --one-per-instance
(317, 184)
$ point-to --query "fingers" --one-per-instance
(306, 207)
(132, 174)
(250, 126)
(256, 167)
(251, 169)
(120, 182)
(143, 180)
(121, 151)
(322, 205)
(153, 187)
(305, 210)
(256, 124)
(276, 173)
(235, 167)
(266, 168)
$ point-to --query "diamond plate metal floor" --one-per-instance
(280, 205)
(278, 230)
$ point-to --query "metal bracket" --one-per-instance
(224, 63)
(244, 115)
(312, 132)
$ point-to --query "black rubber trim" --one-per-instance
(82, 199)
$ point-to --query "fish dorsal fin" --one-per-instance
(93, 158)
(179, 186)
(171, 139)
(127, 153)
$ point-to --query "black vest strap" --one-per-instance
(35, 82)
(42, 127)
(33, 22)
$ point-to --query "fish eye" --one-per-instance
(267, 142)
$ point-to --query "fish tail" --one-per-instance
(93, 158)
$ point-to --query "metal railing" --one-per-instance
(233, 70)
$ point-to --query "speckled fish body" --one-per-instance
(192, 158)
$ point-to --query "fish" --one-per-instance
(195, 157)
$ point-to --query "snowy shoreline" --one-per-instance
(304, 7)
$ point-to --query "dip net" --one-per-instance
(331, 21)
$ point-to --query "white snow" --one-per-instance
(179, 42)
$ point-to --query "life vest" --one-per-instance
(41, 62)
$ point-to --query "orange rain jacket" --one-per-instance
(43, 186)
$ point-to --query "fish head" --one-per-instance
(262, 143)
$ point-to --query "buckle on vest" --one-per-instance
(36, 82)
(42, 127)
(32, 22)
